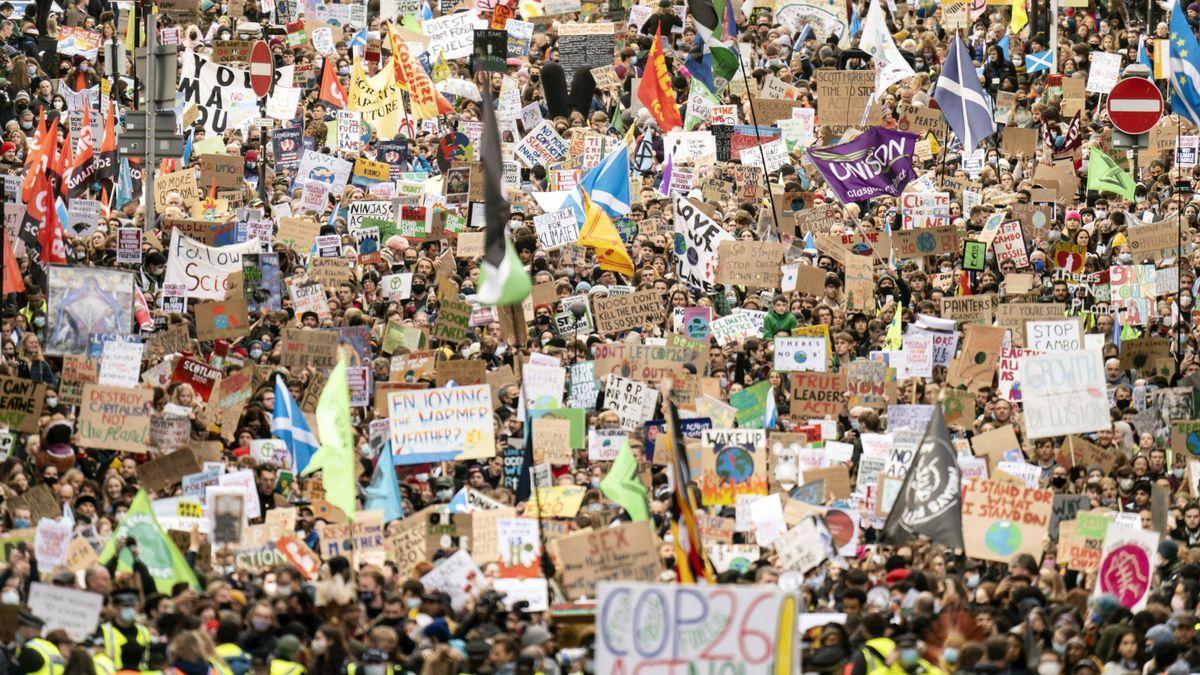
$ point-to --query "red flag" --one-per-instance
(655, 91)
(50, 235)
(106, 163)
(13, 283)
(83, 170)
(331, 88)
(38, 160)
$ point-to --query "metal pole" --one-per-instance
(116, 74)
(761, 155)
(151, 110)
(137, 42)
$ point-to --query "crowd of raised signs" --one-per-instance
(549, 336)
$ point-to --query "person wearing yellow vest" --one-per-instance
(908, 659)
(36, 655)
(126, 642)
(286, 652)
(229, 650)
(872, 657)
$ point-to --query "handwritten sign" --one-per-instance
(1001, 519)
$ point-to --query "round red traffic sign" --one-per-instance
(1135, 105)
(262, 69)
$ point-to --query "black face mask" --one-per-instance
(1059, 481)
(1123, 403)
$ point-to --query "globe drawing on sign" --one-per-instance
(697, 328)
(1193, 442)
(735, 463)
(800, 357)
(1003, 538)
(861, 248)
(926, 242)
(680, 244)
(741, 564)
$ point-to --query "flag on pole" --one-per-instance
(691, 563)
(894, 340)
(1185, 66)
(1105, 176)
(502, 278)
(79, 178)
(336, 459)
(890, 64)
(158, 552)
(288, 425)
(384, 491)
(106, 166)
(930, 499)
(623, 486)
(664, 185)
(655, 90)
(608, 182)
(1020, 18)
(332, 91)
(713, 20)
(599, 234)
(963, 103)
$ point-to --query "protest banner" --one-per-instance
(624, 552)
(800, 353)
(557, 228)
(74, 611)
(625, 609)
(1080, 541)
(441, 424)
(753, 264)
(87, 301)
(202, 270)
(1001, 520)
(21, 403)
(222, 319)
(115, 418)
(303, 348)
(618, 313)
(818, 394)
(1063, 393)
(1128, 559)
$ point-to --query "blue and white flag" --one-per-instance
(963, 103)
(1185, 67)
(384, 491)
(288, 425)
(1036, 62)
(608, 182)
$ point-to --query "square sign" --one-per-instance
(974, 256)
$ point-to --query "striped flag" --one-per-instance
(961, 99)
(691, 564)
(288, 425)
(502, 278)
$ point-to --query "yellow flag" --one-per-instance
(599, 234)
(1019, 16)
(129, 27)
(377, 98)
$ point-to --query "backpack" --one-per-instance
(240, 664)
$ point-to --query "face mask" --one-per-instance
(26, 125)
(83, 67)
(1123, 403)
(1185, 301)
(1059, 649)
(366, 597)
(413, 603)
(51, 402)
(270, 588)
(319, 647)
(1048, 668)
(128, 614)
(255, 353)
(1178, 472)
(261, 625)
(971, 580)
(1039, 266)
(444, 494)
(10, 598)
(1126, 258)
(39, 321)
(251, 166)
(20, 523)
(284, 591)
(418, 289)
(1058, 481)
(1126, 484)
(950, 654)
(595, 481)
(32, 70)
(909, 657)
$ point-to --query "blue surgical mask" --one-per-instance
(909, 657)
(20, 523)
(1039, 266)
(950, 654)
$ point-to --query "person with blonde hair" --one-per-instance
(192, 652)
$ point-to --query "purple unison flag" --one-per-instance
(878, 162)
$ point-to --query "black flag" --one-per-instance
(930, 499)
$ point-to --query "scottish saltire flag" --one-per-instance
(288, 425)
(1036, 62)
(608, 182)
(358, 43)
(963, 103)
(1005, 45)
(1185, 67)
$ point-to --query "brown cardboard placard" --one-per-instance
(222, 319)
(618, 313)
(754, 264)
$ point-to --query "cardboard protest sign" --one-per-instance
(221, 319)
(625, 650)
(1001, 520)
(818, 394)
(1080, 541)
(21, 403)
(618, 313)
(1054, 335)
(166, 470)
(753, 264)
(976, 363)
(559, 501)
(625, 552)
(552, 441)
(303, 348)
(115, 418)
